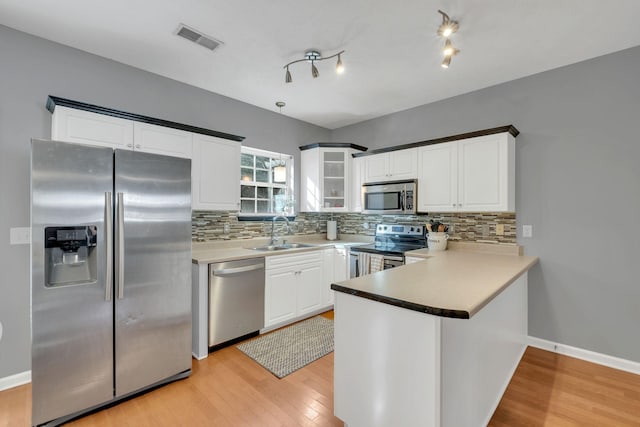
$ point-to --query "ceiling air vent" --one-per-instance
(198, 37)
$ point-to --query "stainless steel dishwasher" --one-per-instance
(236, 300)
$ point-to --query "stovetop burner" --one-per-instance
(395, 240)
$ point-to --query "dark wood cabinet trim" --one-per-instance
(510, 128)
(52, 101)
(332, 145)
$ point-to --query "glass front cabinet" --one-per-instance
(326, 177)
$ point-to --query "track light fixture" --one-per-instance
(448, 26)
(314, 56)
(446, 29)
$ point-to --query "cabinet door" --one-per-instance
(486, 173)
(162, 140)
(438, 178)
(403, 164)
(328, 274)
(411, 260)
(376, 168)
(310, 191)
(280, 295)
(334, 177)
(357, 179)
(309, 288)
(83, 127)
(215, 173)
(341, 264)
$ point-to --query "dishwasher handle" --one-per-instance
(235, 270)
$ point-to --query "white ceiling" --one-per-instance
(392, 57)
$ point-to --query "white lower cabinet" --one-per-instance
(328, 275)
(293, 286)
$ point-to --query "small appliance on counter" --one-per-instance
(391, 242)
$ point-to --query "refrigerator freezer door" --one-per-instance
(72, 321)
(153, 268)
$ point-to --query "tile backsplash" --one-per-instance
(472, 227)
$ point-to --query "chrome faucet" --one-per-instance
(274, 238)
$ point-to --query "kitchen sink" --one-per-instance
(282, 247)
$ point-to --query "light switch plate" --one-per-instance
(527, 231)
(20, 235)
(499, 229)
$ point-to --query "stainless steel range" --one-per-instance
(390, 244)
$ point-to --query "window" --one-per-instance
(260, 194)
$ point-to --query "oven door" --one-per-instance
(388, 262)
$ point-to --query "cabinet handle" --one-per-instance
(130, 145)
(138, 146)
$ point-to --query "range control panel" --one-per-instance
(400, 230)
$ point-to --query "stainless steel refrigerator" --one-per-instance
(110, 275)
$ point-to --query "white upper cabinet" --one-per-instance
(357, 179)
(392, 166)
(470, 175)
(438, 178)
(162, 140)
(326, 179)
(215, 166)
(83, 127)
(215, 173)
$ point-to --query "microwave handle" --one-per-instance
(402, 200)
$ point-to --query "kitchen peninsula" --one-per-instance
(433, 343)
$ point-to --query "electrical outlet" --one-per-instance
(499, 229)
(485, 230)
(226, 228)
(365, 225)
(527, 231)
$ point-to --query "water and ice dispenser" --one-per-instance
(70, 255)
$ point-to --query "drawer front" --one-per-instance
(278, 261)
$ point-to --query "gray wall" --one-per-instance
(32, 68)
(578, 184)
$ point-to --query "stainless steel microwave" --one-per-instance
(389, 198)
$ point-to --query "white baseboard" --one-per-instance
(15, 380)
(588, 355)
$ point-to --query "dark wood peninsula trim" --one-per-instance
(333, 145)
(52, 101)
(510, 128)
(436, 311)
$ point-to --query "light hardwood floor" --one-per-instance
(229, 389)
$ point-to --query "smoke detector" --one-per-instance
(198, 37)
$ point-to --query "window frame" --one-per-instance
(288, 185)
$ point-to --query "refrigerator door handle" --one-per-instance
(108, 232)
(120, 244)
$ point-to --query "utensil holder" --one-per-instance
(437, 241)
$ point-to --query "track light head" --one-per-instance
(448, 26)
(314, 70)
(449, 49)
(287, 76)
(339, 66)
(446, 62)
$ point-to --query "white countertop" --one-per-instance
(451, 283)
(229, 250)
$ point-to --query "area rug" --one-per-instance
(289, 349)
